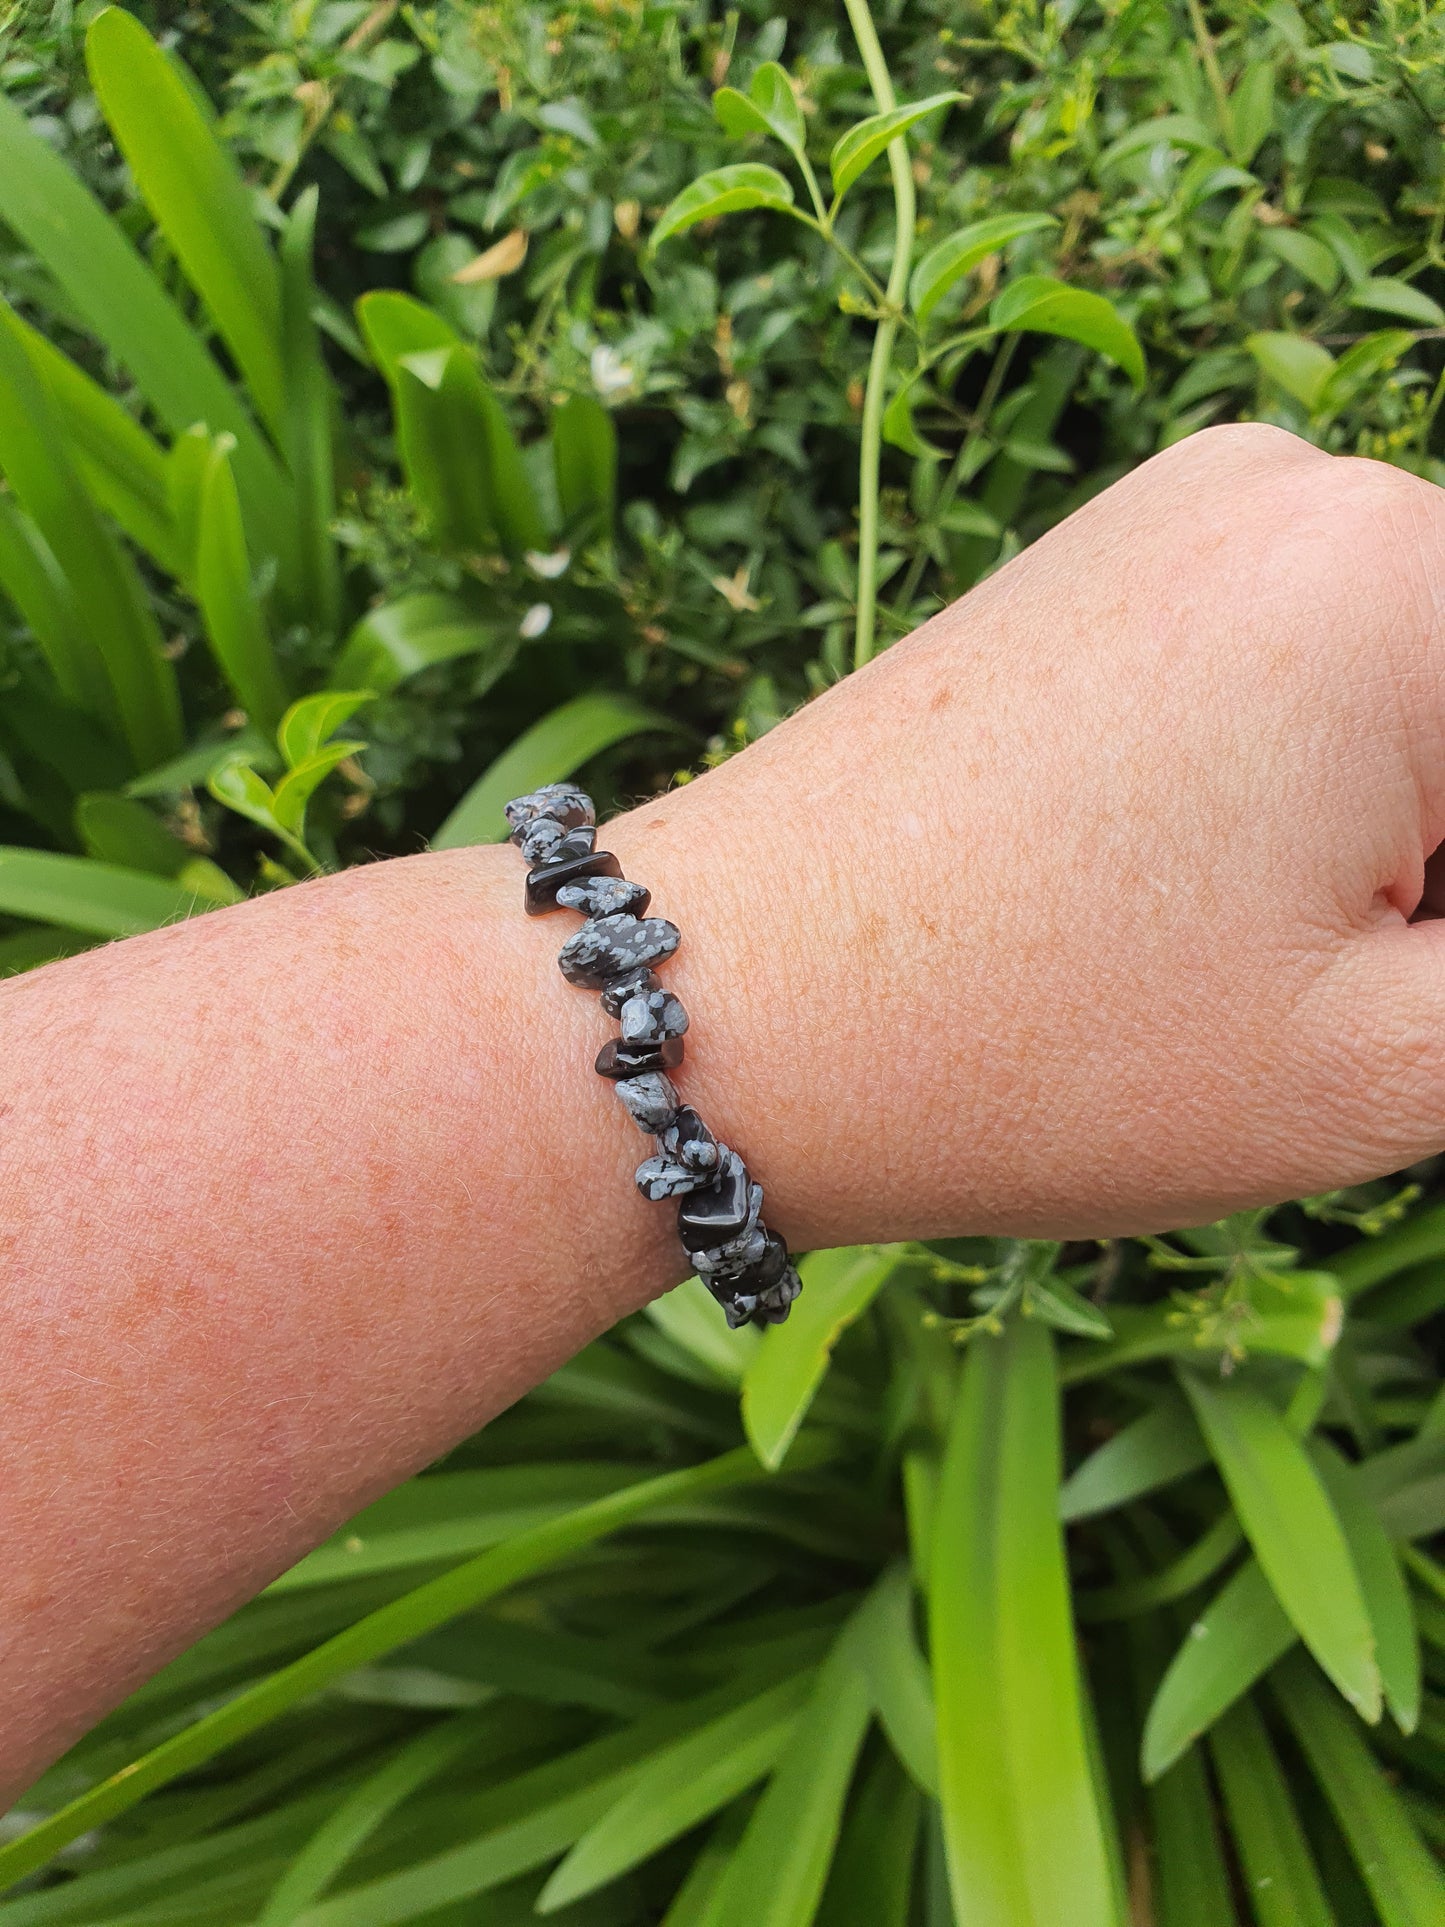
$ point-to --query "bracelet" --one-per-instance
(719, 1214)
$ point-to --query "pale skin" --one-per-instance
(1087, 909)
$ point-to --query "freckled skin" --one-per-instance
(296, 1195)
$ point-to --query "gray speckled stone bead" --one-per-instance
(652, 1017)
(539, 842)
(604, 896)
(690, 1143)
(632, 984)
(563, 803)
(606, 946)
(663, 1177)
(651, 1100)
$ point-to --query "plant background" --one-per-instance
(598, 1638)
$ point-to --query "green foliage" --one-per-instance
(1012, 1583)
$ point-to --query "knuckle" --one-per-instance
(1248, 447)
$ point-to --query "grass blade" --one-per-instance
(871, 1884)
(1191, 1885)
(555, 747)
(898, 1676)
(1382, 1582)
(308, 436)
(36, 584)
(1163, 1445)
(191, 185)
(1294, 1530)
(1279, 1871)
(235, 625)
(1233, 1643)
(78, 893)
(584, 451)
(789, 1366)
(1025, 1841)
(1404, 1880)
(380, 1632)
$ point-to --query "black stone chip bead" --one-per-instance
(605, 947)
(560, 803)
(663, 1177)
(691, 1143)
(651, 1100)
(547, 879)
(763, 1295)
(617, 1058)
(633, 983)
(716, 1212)
(651, 1016)
(605, 896)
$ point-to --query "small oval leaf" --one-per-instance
(1037, 304)
(945, 265)
(726, 190)
(857, 150)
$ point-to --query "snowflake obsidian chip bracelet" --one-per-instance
(719, 1213)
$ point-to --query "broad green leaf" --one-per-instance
(555, 747)
(116, 610)
(858, 148)
(1163, 1445)
(946, 264)
(231, 609)
(192, 187)
(1023, 1831)
(790, 1364)
(417, 632)
(1388, 296)
(364, 1809)
(122, 466)
(781, 1865)
(1037, 304)
(1382, 1583)
(1277, 1866)
(379, 1632)
(310, 404)
(726, 190)
(871, 1883)
(1295, 363)
(689, 1316)
(115, 829)
(898, 1676)
(80, 894)
(1405, 1882)
(584, 451)
(1233, 1643)
(308, 724)
(1251, 111)
(394, 325)
(1294, 1530)
(681, 1785)
(1306, 255)
(301, 781)
(125, 306)
(770, 106)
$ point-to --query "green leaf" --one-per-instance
(946, 264)
(898, 1676)
(116, 830)
(234, 783)
(1405, 1882)
(1191, 1886)
(417, 632)
(37, 586)
(555, 747)
(310, 406)
(1058, 1304)
(871, 1883)
(1359, 366)
(1294, 1530)
(192, 187)
(142, 692)
(1308, 257)
(230, 607)
(1037, 304)
(1388, 296)
(584, 452)
(1295, 363)
(308, 723)
(781, 1865)
(379, 1632)
(1163, 130)
(858, 148)
(789, 1365)
(1233, 1643)
(689, 1316)
(1251, 111)
(80, 894)
(1279, 1872)
(1382, 1583)
(770, 106)
(1024, 1835)
(300, 783)
(726, 190)
(681, 1785)
(899, 428)
(1164, 1445)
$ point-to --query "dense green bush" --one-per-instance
(720, 1627)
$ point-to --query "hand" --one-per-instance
(1088, 908)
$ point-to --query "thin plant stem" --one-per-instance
(884, 338)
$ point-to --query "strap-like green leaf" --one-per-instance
(898, 1676)
(1233, 1643)
(1382, 1583)
(310, 404)
(193, 189)
(688, 1315)
(946, 264)
(416, 632)
(37, 586)
(1279, 1871)
(1164, 1445)
(1037, 304)
(789, 1365)
(234, 620)
(1294, 1529)
(584, 450)
(555, 747)
(80, 894)
(116, 829)
(1405, 1881)
(871, 1884)
(1024, 1834)
(860, 146)
(726, 190)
